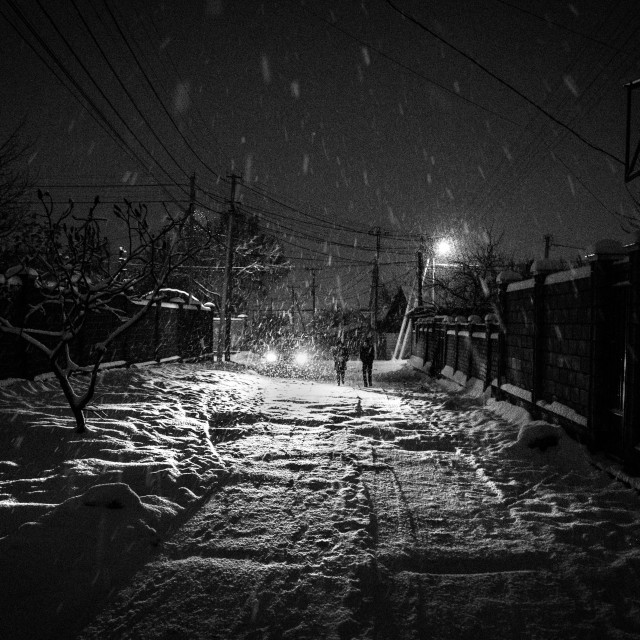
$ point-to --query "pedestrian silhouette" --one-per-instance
(340, 357)
(367, 355)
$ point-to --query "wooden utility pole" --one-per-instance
(313, 289)
(293, 307)
(186, 226)
(295, 304)
(420, 276)
(192, 196)
(547, 245)
(224, 333)
(375, 277)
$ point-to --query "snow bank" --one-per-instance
(78, 513)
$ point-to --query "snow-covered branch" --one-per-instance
(68, 275)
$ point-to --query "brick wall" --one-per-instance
(566, 348)
(567, 342)
(518, 342)
(561, 336)
(468, 347)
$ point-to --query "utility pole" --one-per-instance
(186, 225)
(313, 289)
(192, 196)
(547, 245)
(295, 303)
(420, 275)
(376, 231)
(293, 307)
(224, 333)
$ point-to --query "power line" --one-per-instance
(155, 93)
(538, 141)
(400, 64)
(471, 59)
(548, 21)
(90, 31)
(96, 113)
(112, 185)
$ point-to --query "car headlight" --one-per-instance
(271, 356)
(301, 358)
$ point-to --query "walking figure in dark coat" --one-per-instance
(367, 355)
(340, 357)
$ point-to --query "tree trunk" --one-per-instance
(72, 399)
(81, 423)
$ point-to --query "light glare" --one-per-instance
(444, 247)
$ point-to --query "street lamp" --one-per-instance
(441, 248)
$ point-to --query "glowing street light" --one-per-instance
(443, 247)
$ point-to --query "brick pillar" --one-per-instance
(445, 344)
(156, 332)
(427, 343)
(490, 321)
(601, 258)
(457, 356)
(473, 321)
(538, 337)
(632, 372)
(503, 280)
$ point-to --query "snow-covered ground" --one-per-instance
(218, 503)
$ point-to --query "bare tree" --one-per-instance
(258, 263)
(70, 265)
(468, 279)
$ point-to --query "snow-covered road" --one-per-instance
(397, 512)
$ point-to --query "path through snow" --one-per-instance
(391, 513)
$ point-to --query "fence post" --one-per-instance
(503, 279)
(427, 330)
(632, 381)
(474, 322)
(469, 370)
(601, 257)
(444, 327)
(489, 320)
(539, 276)
(457, 355)
(156, 333)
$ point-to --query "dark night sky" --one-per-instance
(345, 111)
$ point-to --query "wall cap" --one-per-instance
(605, 249)
(546, 265)
(505, 277)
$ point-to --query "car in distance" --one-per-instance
(291, 356)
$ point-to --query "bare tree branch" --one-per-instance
(68, 269)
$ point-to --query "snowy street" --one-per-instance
(401, 511)
(387, 513)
